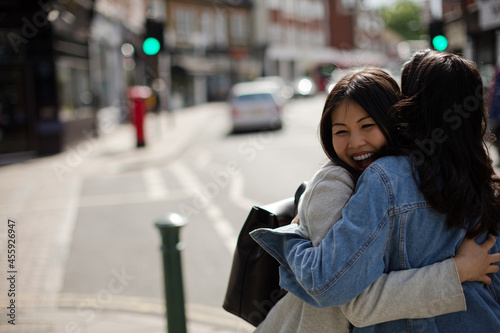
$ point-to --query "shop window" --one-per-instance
(75, 97)
(16, 120)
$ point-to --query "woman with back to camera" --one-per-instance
(411, 210)
(358, 108)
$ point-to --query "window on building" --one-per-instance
(290, 35)
(15, 118)
(274, 33)
(207, 27)
(288, 8)
(185, 23)
(239, 29)
(75, 97)
(221, 38)
(273, 4)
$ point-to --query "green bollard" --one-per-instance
(169, 227)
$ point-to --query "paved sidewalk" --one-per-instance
(41, 196)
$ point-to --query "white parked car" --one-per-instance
(256, 105)
(285, 90)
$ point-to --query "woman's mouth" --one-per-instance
(364, 160)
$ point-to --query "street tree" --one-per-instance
(403, 17)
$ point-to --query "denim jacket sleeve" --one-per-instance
(351, 256)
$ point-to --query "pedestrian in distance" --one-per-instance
(356, 129)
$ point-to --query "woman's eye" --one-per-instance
(367, 125)
(340, 132)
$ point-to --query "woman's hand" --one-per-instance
(473, 261)
(296, 220)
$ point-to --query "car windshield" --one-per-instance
(254, 98)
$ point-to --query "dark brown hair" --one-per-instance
(443, 133)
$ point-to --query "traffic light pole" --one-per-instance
(164, 65)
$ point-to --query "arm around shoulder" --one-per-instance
(415, 293)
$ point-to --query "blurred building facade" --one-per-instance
(210, 48)
(311, 37)
(472, 28)
(65, 62)
(45, 90)
(294, 35)
(117, 23)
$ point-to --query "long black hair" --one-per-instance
(375, 91)
(443, 132)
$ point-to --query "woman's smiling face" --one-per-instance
(355, 135)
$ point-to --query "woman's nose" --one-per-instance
(356, 140)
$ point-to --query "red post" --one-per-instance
(137, 96)
(139, 114)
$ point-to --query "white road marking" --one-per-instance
(236, 193)
(203, 158)
(155, 185)
(62, 244)
(237, 184)
(221, 225)
(128, 198)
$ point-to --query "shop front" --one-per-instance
(45, 98)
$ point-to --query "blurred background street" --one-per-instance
(80, 229)
(114, 114)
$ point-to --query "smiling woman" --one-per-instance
(356, 137)
(355, 126)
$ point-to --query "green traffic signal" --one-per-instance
(440, 43)
(151, 46)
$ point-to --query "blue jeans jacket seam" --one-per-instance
(370, 240)
(351, 262)
(402, 235)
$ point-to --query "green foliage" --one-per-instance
(404, 18)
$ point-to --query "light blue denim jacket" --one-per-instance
(387, 225)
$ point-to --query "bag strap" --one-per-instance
(298, 194)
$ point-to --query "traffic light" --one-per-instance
(440, 43)
(153, 42)
(436, 35)
(151, 46)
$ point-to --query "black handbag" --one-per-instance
(253, 287)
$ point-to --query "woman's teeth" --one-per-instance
(362, 157)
